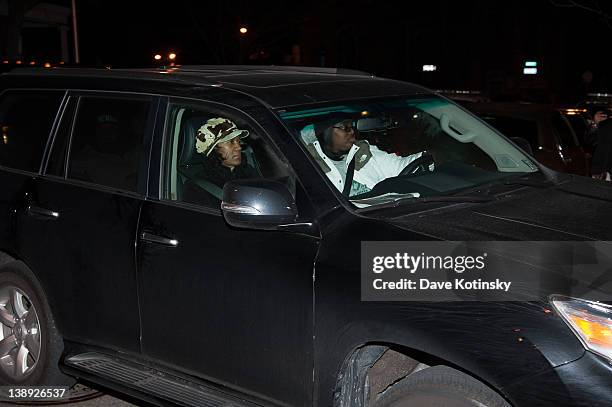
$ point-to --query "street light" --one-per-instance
(243, 30)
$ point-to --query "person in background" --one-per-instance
(107, 159)
(598, 115)
(601, 165)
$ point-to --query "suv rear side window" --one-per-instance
(107, 141)
(26, 118)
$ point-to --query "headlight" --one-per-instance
(591, 321)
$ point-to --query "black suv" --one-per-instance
(185, 236)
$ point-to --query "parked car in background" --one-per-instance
(252, 296)
(462, 95)
(580, 121)
(581, 117)
(549, 133)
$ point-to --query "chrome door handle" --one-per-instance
(151, 238)
(36, 210)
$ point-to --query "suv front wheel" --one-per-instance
(439, 386)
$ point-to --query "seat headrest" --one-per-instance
(187, 140)
(308, 134)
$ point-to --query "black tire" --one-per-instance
(43, 370)
(439, 386)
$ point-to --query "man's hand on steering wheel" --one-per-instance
(421, 164)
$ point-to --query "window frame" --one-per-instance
(52, 129)
(558, 137)
(69, 102)
(213, 107)
(75, 96)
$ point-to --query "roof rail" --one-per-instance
(274, 68)
(145, 74)
(458, 91)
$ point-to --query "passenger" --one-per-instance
(219, 141)
(108, 159)
(336, 147)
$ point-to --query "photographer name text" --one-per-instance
(413, 264)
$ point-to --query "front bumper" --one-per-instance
(584, 382)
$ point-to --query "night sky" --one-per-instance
(475, 44)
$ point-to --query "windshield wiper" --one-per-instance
(457, 198)
(530, 183)
(443, 198)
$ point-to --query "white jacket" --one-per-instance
(372, 165)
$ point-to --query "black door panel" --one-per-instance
(234, 306)
(85, 256)
(13, 191)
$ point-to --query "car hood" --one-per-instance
(576, 210)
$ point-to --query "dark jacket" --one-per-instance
(602, 156)
(217, 174)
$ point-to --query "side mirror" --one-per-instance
(523, 144)
(258, 204)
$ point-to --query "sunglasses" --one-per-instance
(345, 127)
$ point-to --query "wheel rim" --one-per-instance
(20, 336)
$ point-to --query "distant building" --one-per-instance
(41, 33)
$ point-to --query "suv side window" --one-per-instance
(26, 118)
(106, 147)
(207, 147)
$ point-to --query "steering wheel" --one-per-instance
(421, 164)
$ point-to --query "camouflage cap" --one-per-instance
(215, 131)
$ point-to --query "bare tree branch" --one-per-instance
(575, 4)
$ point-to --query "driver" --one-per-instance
(353, 166)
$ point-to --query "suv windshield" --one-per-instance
(378, 151)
